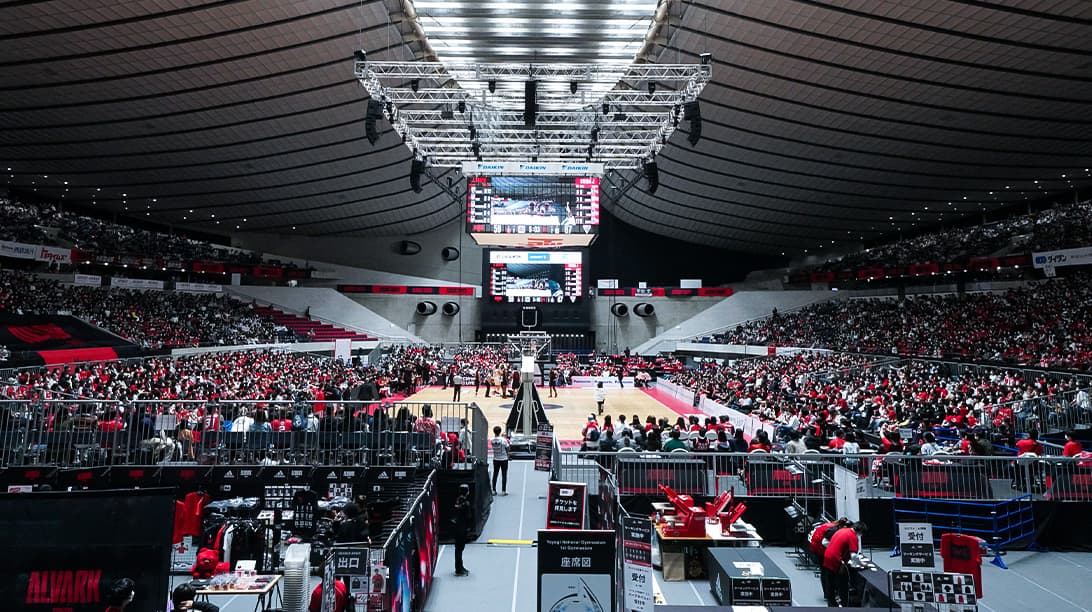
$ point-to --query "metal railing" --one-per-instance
(812, 475)
(82, 433)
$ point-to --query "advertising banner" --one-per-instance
(198, 287)
(1063, 257)
(566, 505)
(17, 250)
(54, 254)
(135, 283)
(544, 447)
(87, 280)
(637, 564)
(68, 566)
(576, 570)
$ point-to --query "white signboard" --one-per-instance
(135, 283)
(473, 168)
(87, 280)
(1063, 257)
(202, 287)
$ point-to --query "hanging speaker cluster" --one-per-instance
(417, 168)
(619, 310)
(375, 113)
(450, 309)
(644, 309)
(426, 308)
(530, 103)
(692, 113)
(652, 175)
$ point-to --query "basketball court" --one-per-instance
(568, 412)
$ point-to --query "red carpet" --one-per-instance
(672, 402)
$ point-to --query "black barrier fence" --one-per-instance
(815, 475)
(80, 433)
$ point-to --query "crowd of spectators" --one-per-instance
(149, 319)
(1063, 226)
(820, 400)
(1045, 324)
(48, 225)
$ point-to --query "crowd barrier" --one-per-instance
(80, 433)
(813, 475)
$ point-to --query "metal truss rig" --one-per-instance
(616, 114)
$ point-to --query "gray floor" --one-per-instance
(502, 578)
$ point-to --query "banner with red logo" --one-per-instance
(57, 339)
(70, 550)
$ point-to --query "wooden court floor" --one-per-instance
(568, 412)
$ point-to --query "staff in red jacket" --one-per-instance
(820, 537)
(835, 571)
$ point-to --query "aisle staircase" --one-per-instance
(313, 331)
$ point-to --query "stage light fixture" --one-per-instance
(651, 87)
(606, 108)
(595, 134)
(477, 149)
(492, 87)
(415, 84)
(706, 58)
(360, 55)
(573, 87)
(462, 106)
(473, 132)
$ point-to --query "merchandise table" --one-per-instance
(683, 558)
(267, 590)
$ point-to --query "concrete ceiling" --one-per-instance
(826, 121)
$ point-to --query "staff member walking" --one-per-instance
(463, 519)
(500, 445)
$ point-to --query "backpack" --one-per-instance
(299, 422)
(593, 434)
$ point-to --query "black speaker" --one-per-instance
(530, 103)
(408, 247)
(450, 309)
(692, 113)
(449, 253)
(426, 308)
(375, 113)
(417, 168)
(619, 310)
(644, 309)
(652, 174)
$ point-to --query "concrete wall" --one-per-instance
(326, 305)
(401, 311)
(616, 333)
(380, 254)
(743, 306)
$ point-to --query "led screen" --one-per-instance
(533, 210)
(536, 276)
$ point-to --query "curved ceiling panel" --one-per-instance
(826, 120)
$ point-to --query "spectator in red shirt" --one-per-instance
(835, 572)
(1030, 444)
(341, 598)
(1072, 447)
(820, 537)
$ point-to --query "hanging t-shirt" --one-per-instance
(962, 554)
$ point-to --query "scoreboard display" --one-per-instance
(536, 277)
(533, 211)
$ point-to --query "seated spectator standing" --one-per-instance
(1029, 444)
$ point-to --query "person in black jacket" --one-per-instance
(464, 509)
(183, 599)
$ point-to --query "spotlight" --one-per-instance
(415, 84)
(360, 55)
(651, 87)
(492, 87)
(706, 58)
(572, 87)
